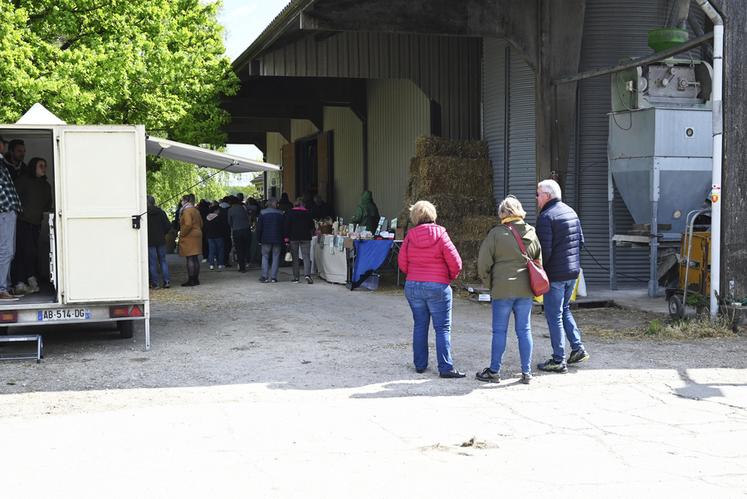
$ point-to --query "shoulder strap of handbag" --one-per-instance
(518, 239)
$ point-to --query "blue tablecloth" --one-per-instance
(369, 256)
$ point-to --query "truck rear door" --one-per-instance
(102, 186)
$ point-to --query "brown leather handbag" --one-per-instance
(538, 281)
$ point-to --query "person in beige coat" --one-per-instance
(503, 269)
(190, 238)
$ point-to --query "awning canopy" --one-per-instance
(204, 157)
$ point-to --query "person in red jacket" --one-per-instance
(431, 262)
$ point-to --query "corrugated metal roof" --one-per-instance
(271, 32)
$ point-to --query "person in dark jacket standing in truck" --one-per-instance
(158, 227)
(560, 235)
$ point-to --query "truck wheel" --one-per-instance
(126, 328)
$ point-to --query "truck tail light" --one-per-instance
(122, 311)
(8, 316)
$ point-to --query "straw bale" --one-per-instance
(475, 228)
(445, 175)
(457, 206)
(439, 146)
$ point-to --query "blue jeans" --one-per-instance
(268, 271)
(560, 321)
(430, 300)
(156, 253)
(216, 251)
(7, 245)
(522, 309)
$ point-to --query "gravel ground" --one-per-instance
(225, 349)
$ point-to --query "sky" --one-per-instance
(243, 21)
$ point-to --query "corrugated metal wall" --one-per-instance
(347, 143)
(612, 30)
(522, 150)
(447, 69)
(494, 109)
(398, 113)
(509, 121)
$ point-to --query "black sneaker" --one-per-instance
(552, 366)
(452, 374)
(488, 376)
(273, 280)
(526, 378)
(166, 284)
(577, 356)
(295, 280)
(263, 279)
(420, 371)
(309, 280)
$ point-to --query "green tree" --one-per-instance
(172, 179)
(160, 63)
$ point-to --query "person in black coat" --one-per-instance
(299, 227)
(158, 227)
(216, 227)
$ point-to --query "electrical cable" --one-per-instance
(637, 279)
(188, 189)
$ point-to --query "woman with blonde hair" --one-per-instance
(503, 269)
(431, 262)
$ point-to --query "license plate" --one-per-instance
(63, 314)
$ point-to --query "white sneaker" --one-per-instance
(20, 289)
(204, 260)
(33, 285)
(220, 268)
(212, 268)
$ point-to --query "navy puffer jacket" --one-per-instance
(559, 232)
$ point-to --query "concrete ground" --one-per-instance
(292, 390)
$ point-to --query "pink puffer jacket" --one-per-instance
(428, 255)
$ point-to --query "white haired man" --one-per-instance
(559, 232)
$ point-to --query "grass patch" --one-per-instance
(691, 328)
(617, 323)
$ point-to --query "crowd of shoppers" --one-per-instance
(235, 231)
(429, 259)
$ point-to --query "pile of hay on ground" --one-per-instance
(456, 176)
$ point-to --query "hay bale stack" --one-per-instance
(440, 147)
(456, 176)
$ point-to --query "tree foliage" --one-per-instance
(171, 180)
(159, 63)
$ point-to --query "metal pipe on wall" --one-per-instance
(718, 126)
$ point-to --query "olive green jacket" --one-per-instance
(501, 265)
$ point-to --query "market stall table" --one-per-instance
(329, 259)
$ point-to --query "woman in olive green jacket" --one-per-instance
(503, 268)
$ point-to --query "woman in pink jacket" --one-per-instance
(431, 262)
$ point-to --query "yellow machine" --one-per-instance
(694, 283)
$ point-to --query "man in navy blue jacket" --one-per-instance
(270, 227)
(559, 232)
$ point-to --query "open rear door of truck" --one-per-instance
(102, 187)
